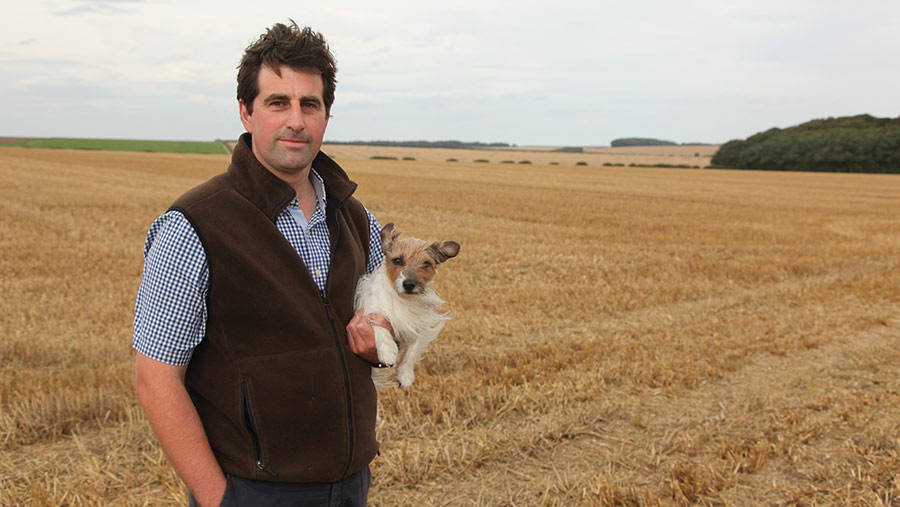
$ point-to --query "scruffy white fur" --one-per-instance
(402, 290)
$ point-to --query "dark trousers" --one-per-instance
(350, 492)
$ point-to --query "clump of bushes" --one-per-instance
(508, 162)
(581, 163)
(641, 141)
(861, 143)
(524, 161)
(408, 158)
(381, 157)
(482, 161)
(452, 160)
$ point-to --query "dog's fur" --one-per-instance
(402, 290)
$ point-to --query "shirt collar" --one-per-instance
(319, 185)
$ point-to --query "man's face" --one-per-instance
(288, 120)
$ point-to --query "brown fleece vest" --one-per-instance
(280, 394)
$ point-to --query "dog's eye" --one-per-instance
(398, 261)
(426, 264)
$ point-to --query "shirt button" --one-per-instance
(318, 272)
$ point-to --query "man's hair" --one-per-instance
(290, 46)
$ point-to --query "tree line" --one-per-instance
(426, 144)
(640, 141)
(860, 143)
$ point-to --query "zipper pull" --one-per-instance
(328, 309)
(264, 468)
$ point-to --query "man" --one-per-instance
(252, 368)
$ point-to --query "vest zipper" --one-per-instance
(334, 334)
(247, 416)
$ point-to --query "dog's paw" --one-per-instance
(385, 346)
(405, 378)
(387, 354)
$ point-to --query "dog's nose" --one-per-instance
(409, 285)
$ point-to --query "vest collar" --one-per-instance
(268, 193)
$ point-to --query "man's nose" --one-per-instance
(295, 118)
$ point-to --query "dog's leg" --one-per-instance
(385, 346)
(407, 364)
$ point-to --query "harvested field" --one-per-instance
(630, 336)
(692, 155)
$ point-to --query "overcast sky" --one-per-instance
(522, 72)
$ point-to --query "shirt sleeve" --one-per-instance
(170, 311)
(376, 256)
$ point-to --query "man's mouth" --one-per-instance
(295, 140)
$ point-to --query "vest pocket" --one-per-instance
(247, 416)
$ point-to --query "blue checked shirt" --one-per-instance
(170, 311)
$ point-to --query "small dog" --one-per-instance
(402, 290)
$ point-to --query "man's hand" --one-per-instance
(361, 336)
(178, 428)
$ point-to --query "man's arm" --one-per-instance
(172, 415)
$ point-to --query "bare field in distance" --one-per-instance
(630, 336)
(699, 155)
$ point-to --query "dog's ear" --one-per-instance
(388, 235)
(444, 250)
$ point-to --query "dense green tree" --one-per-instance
(850, 144)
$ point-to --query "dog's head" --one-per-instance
(411, 262)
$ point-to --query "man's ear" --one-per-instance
(245, 116)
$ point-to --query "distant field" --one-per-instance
(123, 145)
(620, 335)
(648, 155)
